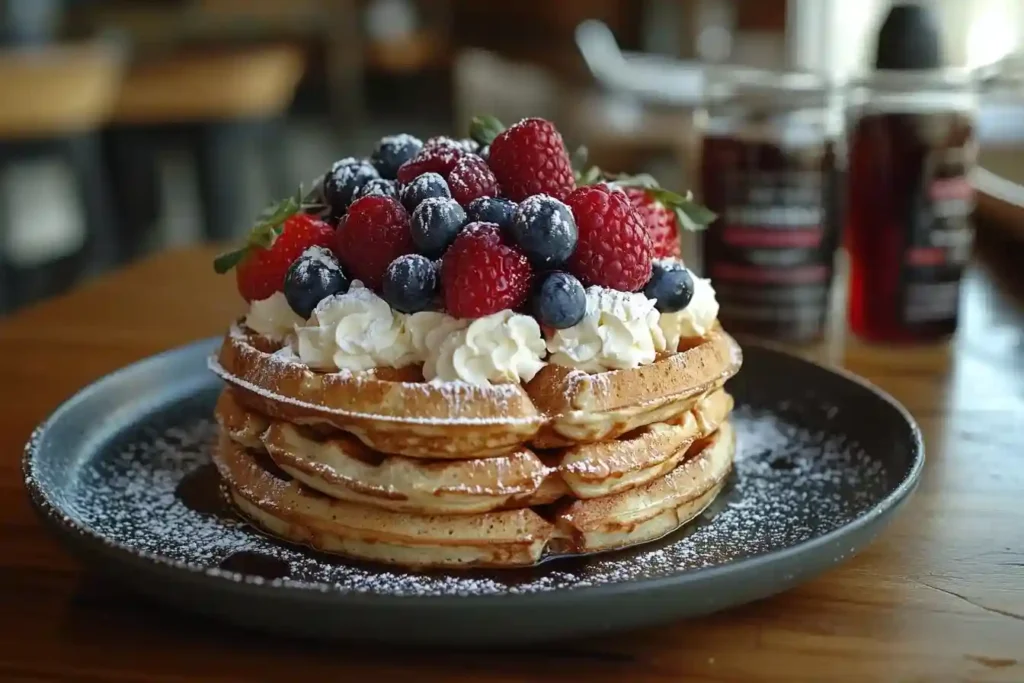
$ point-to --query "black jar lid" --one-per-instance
(909, 39)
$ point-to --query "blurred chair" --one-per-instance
(224, 104)
(55, 101)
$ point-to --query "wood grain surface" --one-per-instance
(938, 597)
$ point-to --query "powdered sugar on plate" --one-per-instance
(153, 490)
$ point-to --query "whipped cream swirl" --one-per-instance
(696, 320)
(272, 317)
(355, 331)
(499, 348)
(619, 330)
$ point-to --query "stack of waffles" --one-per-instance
(493, 403)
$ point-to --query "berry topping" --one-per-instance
(442, 141)
(313, 277)
(660, 221)
(482, 273)
(664, 212)
(472, 179)
(491, 210)
(423, 187)
(545, 230)
(280, 237)
(410, 283)
(470, 145)
(438, 156)
(378, 186)
(671, 286)
(375, 233)
(528, 158)
(392, 151)
(343, 181)
(435, 223)
(614, 249)
(559, 301)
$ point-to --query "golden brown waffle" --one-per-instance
(395, 411)
(344, 468)
(505, 538)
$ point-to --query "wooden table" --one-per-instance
(939, 597)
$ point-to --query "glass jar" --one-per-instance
(769, 169)
(912, 146)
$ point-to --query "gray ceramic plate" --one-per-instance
(121, 473)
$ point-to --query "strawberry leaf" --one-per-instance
(229, 260)
(485, 128)
(267, 229)
(690, 215)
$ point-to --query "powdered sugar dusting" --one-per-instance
(790, 484)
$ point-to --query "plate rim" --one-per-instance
(221, 579)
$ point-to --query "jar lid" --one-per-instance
(909, 39)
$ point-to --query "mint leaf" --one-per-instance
(485, 128)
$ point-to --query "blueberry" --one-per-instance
(485, 152)
(492, 210)
(410, 283)
(545, 230)
(435, 223)
(423, 187)
(671, 286)
(559, 301)
(344, 179)
(392, 151)
(378, 186)
(470, 145)
(313, 277)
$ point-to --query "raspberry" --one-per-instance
(530, 158)
(613, 248)
(660, 221)
(436, 157)
(482, 273)
(471, 179)
(375, 233)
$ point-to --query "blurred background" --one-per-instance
(129, 126)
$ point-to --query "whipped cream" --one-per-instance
(501, 347)
(696, 320)
(355, 331)
(429, 329)
(619, 330)
(272, 317)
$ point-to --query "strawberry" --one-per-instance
(663, 211)
(613, 248)
(660, 221)
(274, 243)
(471, 179)
(528, 158)
(439, 155)
(483, 273)
(375, 233)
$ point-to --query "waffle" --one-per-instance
(396, 412)
(342, 467)
(501, 538)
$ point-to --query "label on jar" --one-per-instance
(770, 254)
(939, 240)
